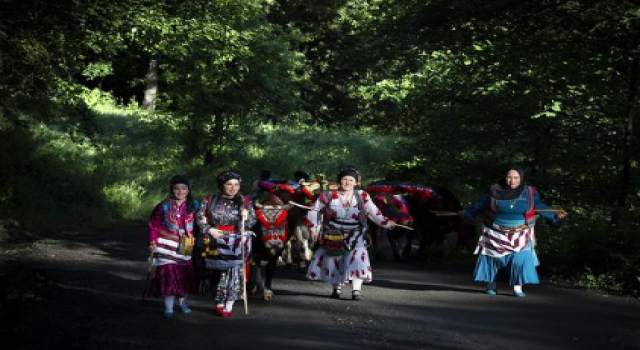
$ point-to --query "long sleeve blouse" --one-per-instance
(510, 213)
(340, 209)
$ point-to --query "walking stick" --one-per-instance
(405, 227)
(148, 282)
(445, 213)
(244, 268)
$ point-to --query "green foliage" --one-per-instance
(119, 167)
(285, 149)
(48, 170)
(98, 70)
(412, 90)
(588, 251)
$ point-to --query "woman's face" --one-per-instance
(513, 179)
(231, 188)
(347, 183)
(180, 191)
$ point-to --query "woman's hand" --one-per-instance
(152, 247)
(215, 233)
(245, 214)
(392, 225)
(314, 235)
(561, 214)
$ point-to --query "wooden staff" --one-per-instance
(548, 210)
(147, 284)
(244, 268)
(445, 213)
(300, 205)
(405, 227)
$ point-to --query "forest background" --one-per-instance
(102, 102)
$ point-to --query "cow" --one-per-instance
(303, 194)
(269, 243)
(280, 229)
(432, 211)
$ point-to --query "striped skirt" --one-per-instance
(508, 254)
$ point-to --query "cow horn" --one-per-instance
(304, 183)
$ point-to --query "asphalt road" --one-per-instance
(83, 291)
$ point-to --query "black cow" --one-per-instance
(269, 243)
(432, 211)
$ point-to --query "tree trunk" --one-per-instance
(216, 138)
(625, 184)
(151, 92)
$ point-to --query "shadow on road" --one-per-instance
(421, 287)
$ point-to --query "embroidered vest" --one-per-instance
(530, 214)
(212, 201)
(224, 252)
(327, 196)
(183, 239)
(335, 241)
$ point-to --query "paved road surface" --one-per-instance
(82, 291)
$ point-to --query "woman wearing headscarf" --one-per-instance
(338, 223)
(507, 241)
(171, 239)
(220, 218)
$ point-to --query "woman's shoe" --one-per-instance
(219, 309)
(168, 314)
(519, 294)
(185, 309)
(492, 291)
(226, 314)
(336, 294)
(356, 295)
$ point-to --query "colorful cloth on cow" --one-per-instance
(338, 215)
(224, 256)
(429, 193)
(508, 239)
(171, 229)
(273, 221)
(393, 206)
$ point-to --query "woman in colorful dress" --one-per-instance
(507, 241)
(226, 251)
(171, 238)
(338, 222)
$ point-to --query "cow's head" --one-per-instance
(270, 201)
(312, 186)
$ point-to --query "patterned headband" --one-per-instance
(226, 176)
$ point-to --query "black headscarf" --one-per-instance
(182, 179)
(226, 176)
(349, 171)
(501, 190)
(179, 179)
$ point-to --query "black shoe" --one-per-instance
(336, 294)
(356, 295)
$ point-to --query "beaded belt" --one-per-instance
(506, 228)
